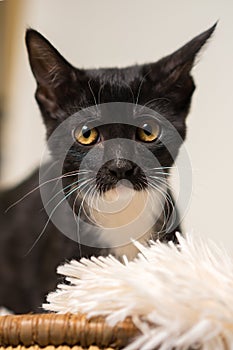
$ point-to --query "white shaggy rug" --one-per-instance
(178, 296)
(4, 311)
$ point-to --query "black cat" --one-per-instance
(166, 88)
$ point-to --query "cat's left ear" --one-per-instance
(50, 70)
(178, 65)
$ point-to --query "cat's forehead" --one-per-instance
(116, 75)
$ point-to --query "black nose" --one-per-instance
(121, 168)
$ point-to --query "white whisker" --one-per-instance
(80, 211)
(50, 216)
(73, 173)
(62, 190)
(160, 180)
(168, 200)
(99, 93)
(140, 87)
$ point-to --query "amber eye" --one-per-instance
(86, 135)
(148, 132)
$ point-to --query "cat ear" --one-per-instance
(186, 55)
(180, 62)
(49, 68)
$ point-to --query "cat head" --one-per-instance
(166, 87)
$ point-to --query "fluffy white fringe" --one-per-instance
(4, 311)
(178, 296)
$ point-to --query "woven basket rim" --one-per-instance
(64, 329)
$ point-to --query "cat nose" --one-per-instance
(122, 168)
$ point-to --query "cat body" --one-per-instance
(31, 246)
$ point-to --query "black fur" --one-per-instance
(166, 86)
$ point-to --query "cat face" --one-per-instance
(165, 87)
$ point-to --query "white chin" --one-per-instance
(124, 214)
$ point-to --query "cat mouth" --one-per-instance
(110, 177)
(120, 186)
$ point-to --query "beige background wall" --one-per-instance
(117, 33)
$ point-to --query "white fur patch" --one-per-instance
(123, 215)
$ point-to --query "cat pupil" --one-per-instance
(147, 129)
(86, 132)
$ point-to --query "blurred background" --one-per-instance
(119, 33)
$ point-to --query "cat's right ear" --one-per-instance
(49, 68)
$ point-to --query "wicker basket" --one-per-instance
(63, 332)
